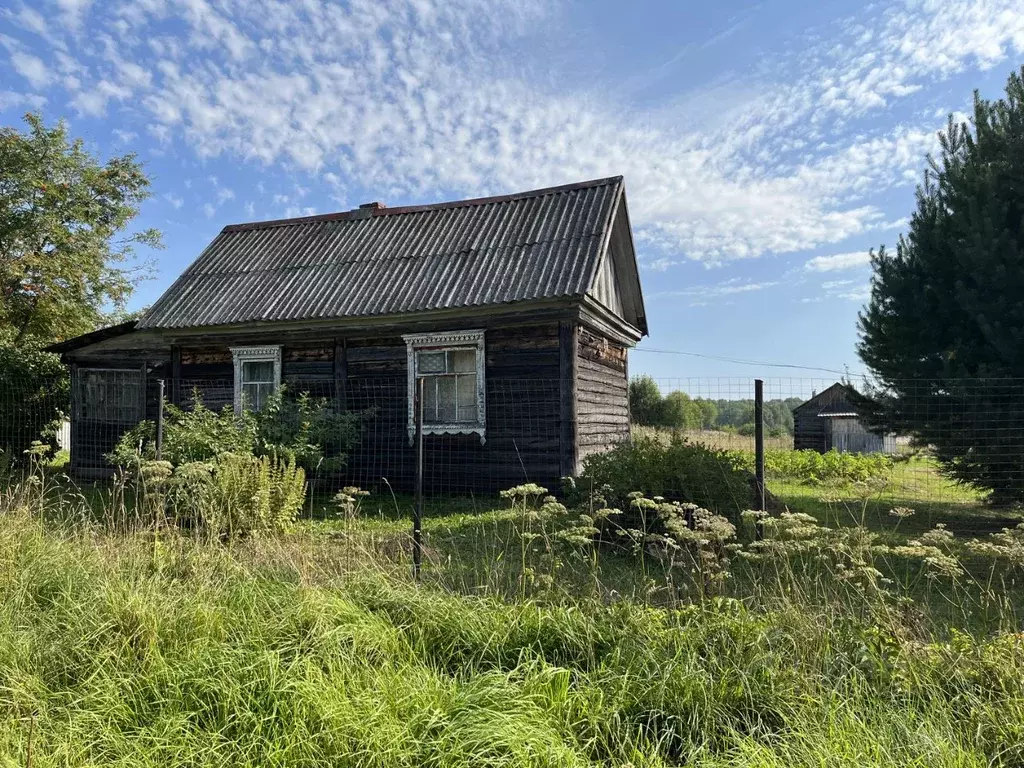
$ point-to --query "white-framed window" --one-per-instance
(451, 366)
(257, 375)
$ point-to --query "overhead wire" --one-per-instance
(740, 361)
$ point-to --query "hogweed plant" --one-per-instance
(531, 518)
(348, 502)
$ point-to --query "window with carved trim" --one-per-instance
(257, 375)
(451, 367)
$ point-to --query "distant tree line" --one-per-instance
(677, 410)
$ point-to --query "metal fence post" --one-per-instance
(417, 520)
(160, 421)
(759, 455)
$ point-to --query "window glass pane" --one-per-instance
(462, 361)
(430, 400)
(466, 393)
(429, 362)
(251, 396)
(258, 370)
(266, 390)
(446, 399)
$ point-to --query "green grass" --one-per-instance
(120, 645)
(914, 483)
(145, 649)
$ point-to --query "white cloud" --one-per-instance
(161, 133)
(32, 20)
(32, 68)
(125, 137)
(847, 290)
(209, 209)
(176, 202)
(92, 101)
(838, 261)
(860, 294)
(728, 287)
(422, 98)
(659, 265)
(224, 194)
(74, 11)
(14, 100)
(832, 285)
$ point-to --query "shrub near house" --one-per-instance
(680, 470)
(243, 473)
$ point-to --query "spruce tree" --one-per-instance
(943, 331)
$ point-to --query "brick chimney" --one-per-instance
(366, 210)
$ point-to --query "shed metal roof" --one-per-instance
(543, 244)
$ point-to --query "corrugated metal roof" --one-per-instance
(535, 245)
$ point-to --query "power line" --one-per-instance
(747, 362)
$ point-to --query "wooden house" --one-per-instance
(830, 420)
(517, 311)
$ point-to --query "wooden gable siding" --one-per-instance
(606, 285)
(602, 394)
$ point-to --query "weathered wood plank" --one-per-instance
(568, 354)
(377, 354)
(604, 439)
(587, 410)
(612, 396)
(307, 353)
(592, 371)
(341, 373)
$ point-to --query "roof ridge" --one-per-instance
(403, 209)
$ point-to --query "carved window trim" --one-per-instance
(261, 354)
(474, 339)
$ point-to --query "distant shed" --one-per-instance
(830, 420)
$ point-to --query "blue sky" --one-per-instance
(766, 145)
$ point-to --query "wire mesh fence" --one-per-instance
(955, 450)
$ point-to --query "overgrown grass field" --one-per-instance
(527, 644)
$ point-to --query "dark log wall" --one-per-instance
(523, 436)
(602, 394)
(208, 371)
(525, 441)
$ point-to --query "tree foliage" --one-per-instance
(677, 410)
(644, 401)
(65, 254)
(34, 397)
(946, 311)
